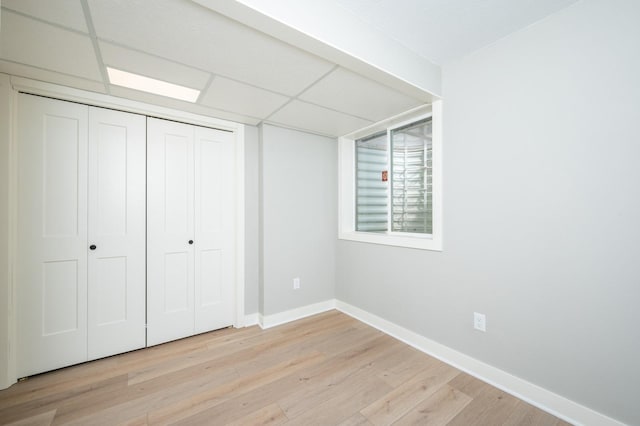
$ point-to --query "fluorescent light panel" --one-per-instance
(151, 85)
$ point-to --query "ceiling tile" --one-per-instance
(150, 98)
(230, 95)
(188, 33)
(353, 94)
(304, 116)
(27, 71)
(67, 13)
(152, 66)
(32, 42)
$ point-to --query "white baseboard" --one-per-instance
(268, 321)
(251, 319)
(544, 399)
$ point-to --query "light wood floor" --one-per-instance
(324, 370)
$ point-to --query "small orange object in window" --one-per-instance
(385, 175)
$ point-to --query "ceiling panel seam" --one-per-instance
(329, 108)
(48, 70)
(94, 81)
(293, 98)
(197, 68)
(53, 24)
(297, 98)
(96, 46)
(299, 129)
(206, 87)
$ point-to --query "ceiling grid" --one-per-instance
(96, 46)
(244, 75)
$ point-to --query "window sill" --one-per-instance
(415, 242)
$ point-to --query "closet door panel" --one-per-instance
(214, 229)
(170, 256)
(51, 271)
(117, 219)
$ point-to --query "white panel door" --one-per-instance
(170, 231)
(214, 229)
(116, 287)
(51, 281)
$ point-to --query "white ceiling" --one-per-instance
(244, 75)
(445, 30)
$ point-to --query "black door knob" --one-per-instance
(92, 247)
(190, 241)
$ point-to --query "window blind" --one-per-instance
(372, 194)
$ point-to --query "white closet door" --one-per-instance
(170, 204)
(214, 229)
(117, 177)
(52, 234)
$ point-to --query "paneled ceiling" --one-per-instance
(243, 75)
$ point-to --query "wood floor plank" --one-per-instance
(438, 409)
(404, 367)
(62, 380)
(319, 385)
(244, 404)
(235, 350)
(55, 383)
(193, 406)
(491, 407)
(136, 401)
(356, 420)
(147, 369)
(350, 397)
(313, 378)
(308, 398)
(188, 380)
(468, 384)
(42, 419)
(56, 402)
(343, 339)
(326, 369)
(527, 415)
(272, 414)
(293, 384)
(298, 383)
(136, 421)
(403, 398)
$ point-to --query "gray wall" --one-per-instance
(299, 218)
(541, 213)
(251, 217)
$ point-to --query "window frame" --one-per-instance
(347, 183)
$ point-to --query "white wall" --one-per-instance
(251, 219)
(541, 213)
(5, 294)
(299, 218)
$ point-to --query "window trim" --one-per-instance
(347, 184)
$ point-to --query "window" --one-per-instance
(394, 180)
(389, 182)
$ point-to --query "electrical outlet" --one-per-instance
(296, 283)
(479, 321)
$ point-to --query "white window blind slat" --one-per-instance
(372, 194)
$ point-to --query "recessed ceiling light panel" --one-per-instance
(151, 85)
